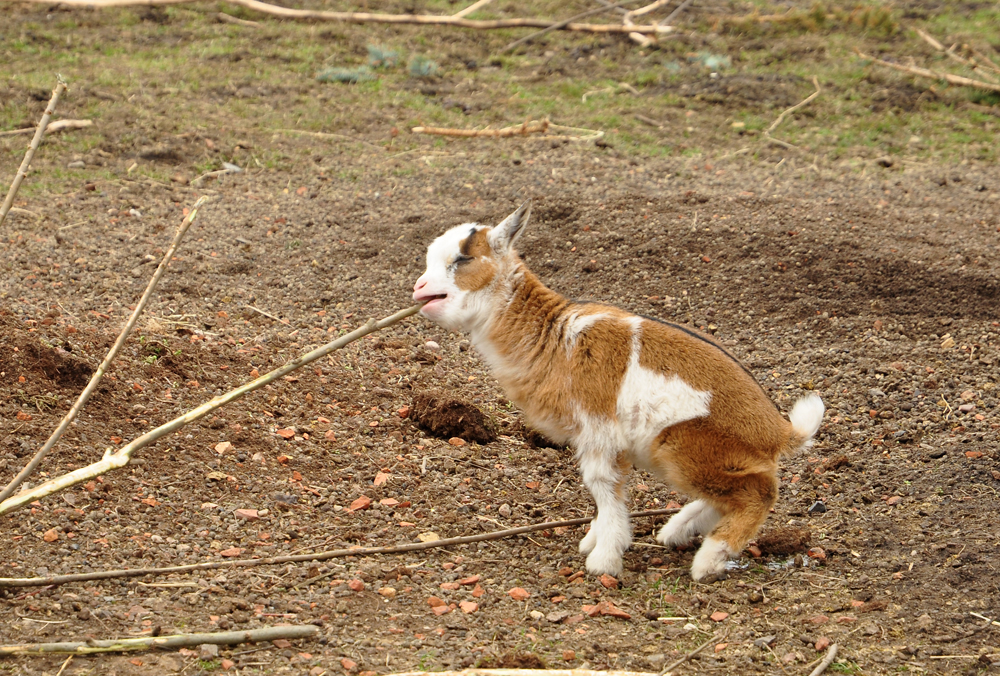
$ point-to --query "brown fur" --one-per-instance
(478, 273)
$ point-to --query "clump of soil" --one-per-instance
(446, 417)
(784, 541)
(56, 364)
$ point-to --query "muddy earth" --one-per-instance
(874, 286)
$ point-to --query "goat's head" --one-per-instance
(464, 268)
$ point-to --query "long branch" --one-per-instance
(26, 162)
(560, 24)
(121, 457)
(286, 631)
(934, 75)
(298, 558)
(112, 354)
(368, 17)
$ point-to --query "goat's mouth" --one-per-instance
(430, 298)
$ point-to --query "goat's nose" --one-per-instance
(421, 283)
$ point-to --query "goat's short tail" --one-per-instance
(806, 417)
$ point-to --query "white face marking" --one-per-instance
(450, 306)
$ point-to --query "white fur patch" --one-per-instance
(711, 559)
(697, 518)
(649, 402)
(577, 324)
(807, 416)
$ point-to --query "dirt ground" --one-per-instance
(874, 286)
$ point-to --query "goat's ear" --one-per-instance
(503, 235)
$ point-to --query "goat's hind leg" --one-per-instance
(746, 512)
(696, 518)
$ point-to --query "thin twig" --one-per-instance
(479, 4)
(674, 14)
(933, 75)
(64, 665)
(985, 74)
(58, 125)
(317, 556)
(532, 127)
(229, 18)
(266, 314)
(367, 17)
(111, 356)
(983, 617)
(780, 118)
(831, 655)
(26, 162)
(286, 631)
(121, 457)
(982, 57)
(561, 24)
(676, 663)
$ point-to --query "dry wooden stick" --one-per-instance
(286, 631)
(933, 75)
(121, 457)
(229, 18)
(299, 558)
(479, 4)
(524, 130)
(676, 663)
(950, 51)
(831, 655)
(108, 359)
(26, 162)
(780, 118)
(531, 127)
(561, 24)
(367, 17)
(982, 57)
(58, 125)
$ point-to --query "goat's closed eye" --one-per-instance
(461, 258)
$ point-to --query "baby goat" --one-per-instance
(622, 390)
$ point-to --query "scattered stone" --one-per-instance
(557, 616)
(504, 510)
(469, 580)
(765, 641)
(519, 594)
(818, 507)
(208, 651)
(76, 164)
(818, 619)
(718, 616)
(468, 607)
(246, 514)
(432, 345)
(536, 614)
(817, 553)
(348, 664)
(570, 655)
(286, 433)
(822, 643)
(364, 502)
(221, 448)
(429, 536)
(387, 592)
(609, 582)
(441, 610)
(51, 535)
(356, 585)
(457, 441)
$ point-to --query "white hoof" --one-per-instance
(674, 533)
(589, 541)
(711, 559)
(602, 561)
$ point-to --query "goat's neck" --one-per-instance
(522, 325)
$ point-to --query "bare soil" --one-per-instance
(876, 287)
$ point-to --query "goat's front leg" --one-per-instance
(610, 534)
